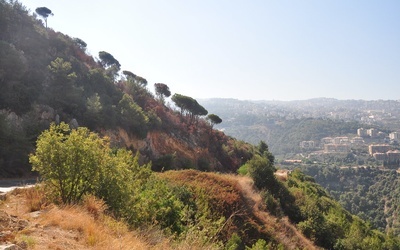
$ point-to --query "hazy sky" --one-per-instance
(247, 49)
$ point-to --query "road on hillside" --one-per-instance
(7, 185)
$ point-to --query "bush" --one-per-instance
(70, 161)
(262, 171)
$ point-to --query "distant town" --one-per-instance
(383, 147)
(369, 133)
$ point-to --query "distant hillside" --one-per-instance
(280, 124)
(371, 193)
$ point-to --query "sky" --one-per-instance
(245, 49)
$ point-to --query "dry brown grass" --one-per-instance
(91, 233)
(35, 198)
(70, 227)
(83, 226)
(94, 206)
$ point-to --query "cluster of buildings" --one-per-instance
(372, 133)
(334, 144)
(383, 152)
(343, 144)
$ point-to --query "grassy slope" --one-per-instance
(87, 227)
(235, 198)
(72, 227)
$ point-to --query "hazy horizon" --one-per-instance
(294, 100)
(248, 50)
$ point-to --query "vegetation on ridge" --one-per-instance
(47, 76)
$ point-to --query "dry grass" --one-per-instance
(70, 227)
(83, 226)
(94, 206)
(280, 228)
(237, 193)
(35, 198)
(103, 233)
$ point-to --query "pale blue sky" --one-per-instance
(255, 49)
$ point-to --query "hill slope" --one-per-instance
(227, 210)
(47, 76)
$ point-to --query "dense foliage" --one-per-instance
(370, 193)
(75, 163)
(328, 224)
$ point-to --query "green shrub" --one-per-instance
(70, 161)
(262, 171)
(243, 170)
(234, 243)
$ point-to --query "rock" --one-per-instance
(46, 113)
(35, 214)
(12, 223)
(9, 247)
(3, 196)
(74, 124)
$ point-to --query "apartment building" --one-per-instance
(362, 132)
(307, 144)
(336, 148)
(379, 148)
(394, 136)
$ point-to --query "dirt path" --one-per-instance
(281, 227)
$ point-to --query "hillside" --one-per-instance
(281, 127)
(224, 210)
(48, 77)
(121, 166)
(371, 193)
(52, 228)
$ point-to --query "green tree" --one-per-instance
(135, 79)
(128, 74)
(189, 106)
(214, 119)
(80, 43)
(264, 151)
(111, 64)
(181, 101)
(14, 92)
(132, 116)
(261, 170)
(70, 161)
(62, 93)
(122, 181)
(44, 12)
(108, 60)
(162, 91)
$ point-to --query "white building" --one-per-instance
(380, 148)
(307, 144)
(357, 140)
(362, 132)
(394, 136)
(327, 140)
(372, 132)
(340, 140)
